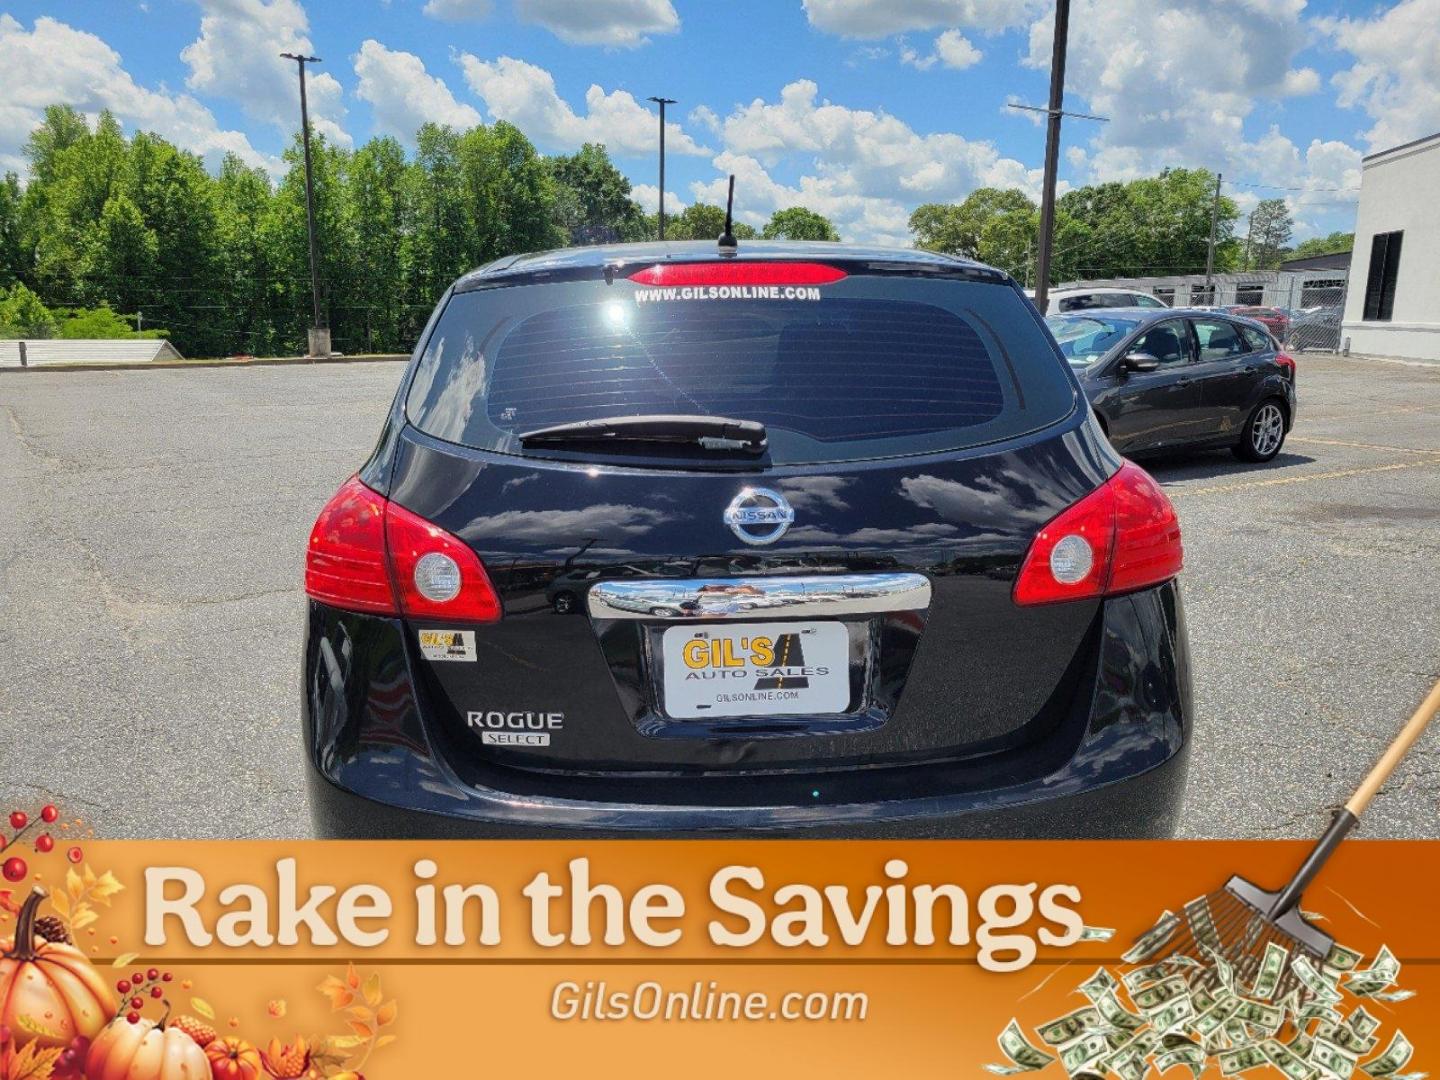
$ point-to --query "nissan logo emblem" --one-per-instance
(759, 515)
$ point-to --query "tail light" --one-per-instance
(738, 273)
(1286, 361)
(369, 554)
(1121, 537)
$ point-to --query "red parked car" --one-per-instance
(1273, 319)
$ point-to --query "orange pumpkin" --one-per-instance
(145, 1051)
(50, 984)
(233, 1059)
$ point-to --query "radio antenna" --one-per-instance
(727, 242)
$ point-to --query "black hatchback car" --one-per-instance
(1176, 379)
(842, 549)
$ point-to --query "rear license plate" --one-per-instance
(756, 669)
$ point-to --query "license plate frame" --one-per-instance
(759, 670)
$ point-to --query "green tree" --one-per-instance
(377, 216)
(957, 229)
(15, 260)
(1269, 234)
(252, 298)
(118, 257)
(799, 223)
(100, 322)
(702, 221)
(22, 315)
(437, 244)
(507, 193)
(592, 198)
(1333, 244)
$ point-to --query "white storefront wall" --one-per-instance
(1399, 192)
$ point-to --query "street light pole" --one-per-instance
(662, 102)
(319, 333)
(1052, 153)
(1210, 248)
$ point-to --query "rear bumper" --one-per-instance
(1116, 768)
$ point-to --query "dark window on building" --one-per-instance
(1250, 295)
(1384, 268)
(1165, 294)
(1200, 296)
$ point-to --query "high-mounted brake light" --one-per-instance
(1121, 537)
(369, 554)
(738, 273)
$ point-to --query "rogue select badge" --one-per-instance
(759, 515)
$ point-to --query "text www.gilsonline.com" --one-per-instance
(702, 1002)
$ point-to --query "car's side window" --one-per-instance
(1257, 340)
(1218, 339)
(1167, 342)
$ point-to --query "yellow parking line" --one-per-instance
(1363, 446)
(1337, 474)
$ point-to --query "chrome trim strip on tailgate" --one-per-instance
(815, 596)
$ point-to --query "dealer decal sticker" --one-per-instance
(447, 644)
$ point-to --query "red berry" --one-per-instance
(49, 813)
(44, 843)
(138, 978)
(152, 974)
(133, 1017)
(74, 854)
(123, 986)
(156, 992)
(166, 977)
(15, 869)
(137, 1003)
(19, 819)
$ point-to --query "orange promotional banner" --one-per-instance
(838, 958)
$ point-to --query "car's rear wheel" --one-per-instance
(1264, 432)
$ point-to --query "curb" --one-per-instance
(172, 365)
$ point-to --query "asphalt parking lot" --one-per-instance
(153, 523)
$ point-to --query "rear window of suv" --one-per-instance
(869, 366)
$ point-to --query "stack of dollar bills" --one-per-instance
(1183, 1010)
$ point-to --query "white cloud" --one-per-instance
(648, 196)
(403, 96)
(458, 10)
(1166, 109)
(1396, 75)
(955, 50)
(864, 170)
(54, 63)
(952, 48)
(237, 56)
(619, 23)
(525, 95)
(881, 18)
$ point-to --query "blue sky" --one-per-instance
(861, 109)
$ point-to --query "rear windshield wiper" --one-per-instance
(710, 432)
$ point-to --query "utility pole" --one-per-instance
(319, 332)
(1249, 232)
(1210, 251)
(1052, 153)
(662, 102)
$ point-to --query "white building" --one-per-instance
(1304, 287)
(42, 352)
(1393, 307)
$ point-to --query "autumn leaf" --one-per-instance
(203, 1007)
(83, 917)
(384, 1040)
(386, 1013)
(352, 977)
(33, 1063)
(88, 876)
(105, 887)
(61, 903)
(124, 959)
(361, 1013)
(341, 1043)
(365, 1031)
(339, 994)
(73, 885)
(372, 989)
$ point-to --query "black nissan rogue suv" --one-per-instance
(804, 539)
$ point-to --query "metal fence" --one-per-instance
(1316, 308)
